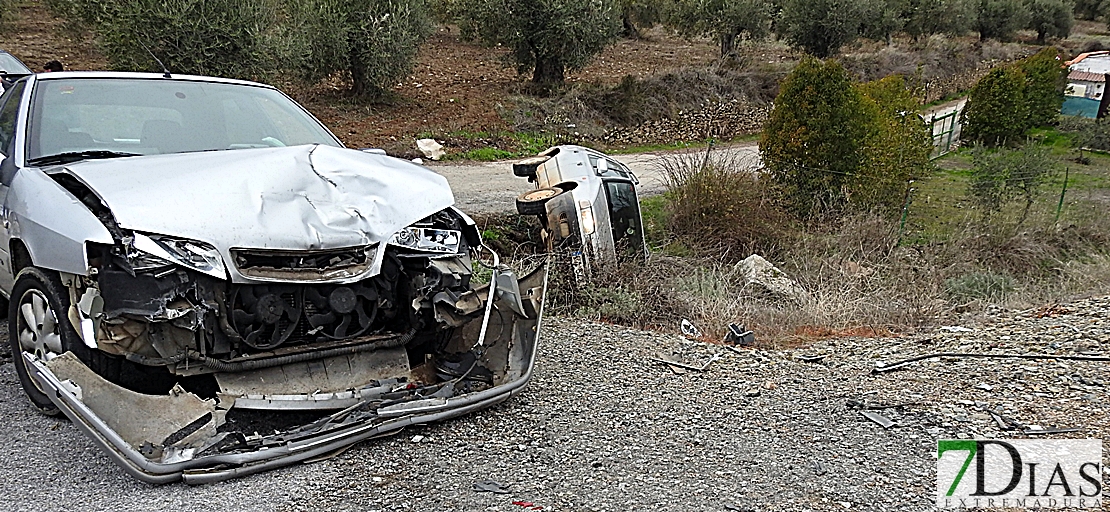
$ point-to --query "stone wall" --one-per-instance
(724, 120)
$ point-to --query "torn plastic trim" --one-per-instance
(219, 467)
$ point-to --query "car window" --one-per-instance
(12, 65)
(159, 116)
(8, 115)
(624, 217)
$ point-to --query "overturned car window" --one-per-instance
(624, 217)
(153, 116)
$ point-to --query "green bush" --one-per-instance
(996, 112)
(1045, 79)
(1000, 176)
(928, 17)
(897, 151)
(813, 141)
(374, 41)
(716, 203)
(1088, 133)
(206, 37)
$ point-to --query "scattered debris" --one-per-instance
(955, 328)
(1036, 430)
(491, 486)
(984, 386)
(701, 368)
(430, 148)
(811, 358)
(819, 469)
(881, 367)
(881, 420)
(739, 335)
(689, 329)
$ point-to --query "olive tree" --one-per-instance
(1050, 18)
(726, 20)
(820, 27)
(210, 37)
(1091, 9)
(1000, 19)
(546, 37)
(928, 17)
(375, 41)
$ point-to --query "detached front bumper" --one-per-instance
(192, 451)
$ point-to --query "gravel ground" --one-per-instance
(602, 427)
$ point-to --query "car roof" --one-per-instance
(60, 75)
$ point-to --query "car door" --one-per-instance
(11, 104)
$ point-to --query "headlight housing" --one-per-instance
(152, 251)
(444, 241)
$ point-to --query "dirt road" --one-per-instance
(491, 186)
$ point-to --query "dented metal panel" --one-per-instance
(294, 198)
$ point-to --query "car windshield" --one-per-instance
(12, 65)
(106, 116)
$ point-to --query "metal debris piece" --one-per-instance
(701, 368)
(678, 370)
(1030, 431)
(955, 328)
(984, 386)
(883, 421)
(882, 368)
(739, 335)
(491, 486)
(811, 358)
(689, 329)
(819, 469)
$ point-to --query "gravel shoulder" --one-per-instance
(602, 427)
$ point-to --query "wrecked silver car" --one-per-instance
(587, 203)
(209, 285)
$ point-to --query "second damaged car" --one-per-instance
(209, 285)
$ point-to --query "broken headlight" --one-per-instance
(428, 239)
(158, 251)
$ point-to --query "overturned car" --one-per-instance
(209, 285)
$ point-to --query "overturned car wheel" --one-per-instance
(534, 202)
(37, 324)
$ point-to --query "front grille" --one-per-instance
(304, 265)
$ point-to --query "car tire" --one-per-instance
(534, 202)
(38, 322)
(527, 168)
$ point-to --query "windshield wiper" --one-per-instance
(73, 156)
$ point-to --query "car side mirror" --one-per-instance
(602, 166)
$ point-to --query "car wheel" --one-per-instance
(527, 168)
(534, 202)
(37, 324)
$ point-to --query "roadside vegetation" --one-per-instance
(844, 200)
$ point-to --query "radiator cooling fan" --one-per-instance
(265, 316)
(342, 311)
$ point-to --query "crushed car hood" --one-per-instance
(290, 198)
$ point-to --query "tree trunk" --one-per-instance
(1040, 36)
(549, 72)
(630, 30)
(727, 42)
